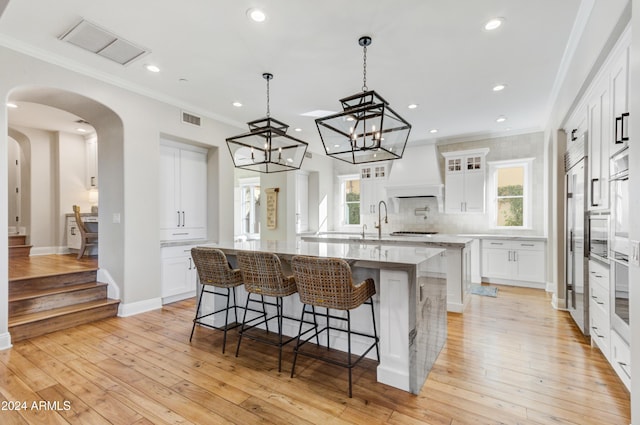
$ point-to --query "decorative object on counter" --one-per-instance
(367, 130)
(386, 220)
(267, 147)
(215, 272)
(328, 283)
(485, 291)
(272, 207)
(88, 238)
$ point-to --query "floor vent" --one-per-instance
(188, 118)
(97, 40)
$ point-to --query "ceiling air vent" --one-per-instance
(188, 118)
(97, 40)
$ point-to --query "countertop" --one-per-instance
(348, 250)
(506, 237)
(439, 239)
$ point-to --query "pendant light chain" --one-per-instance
(268, 111)
(364, 69)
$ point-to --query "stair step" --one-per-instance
(19, 251)
(43, 282)
(17, 240)
(47, 299)
(43, 322)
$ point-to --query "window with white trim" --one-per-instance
(350, 199)
(250, 207)
(510, 193)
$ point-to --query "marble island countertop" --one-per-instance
(438, 239)
(348, 249)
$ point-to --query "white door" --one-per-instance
(169, 191)
(193, 190)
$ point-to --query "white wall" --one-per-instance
(129, 127)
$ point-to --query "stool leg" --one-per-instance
(279, 313)
(264, 311)
(244, 319)
(193, 328)
(375, 332)
(328, 330)
(295, 349)
(226, 321)
(315, 324)
(235, 305)
(349, 348)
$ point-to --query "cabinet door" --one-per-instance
(454, 193)
(474, 192)
(496, 259)
(91, 161)
(529, 265)
(178, 276)
(169, 188)
(619, 97)
(74, 240)
(598, 145)
(193, 192)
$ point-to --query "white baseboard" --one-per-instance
(5, 341)
(178, 297)
(550, 287)
(558, 303)
(45, 250)
(131, 309)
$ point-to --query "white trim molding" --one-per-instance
(131, 309)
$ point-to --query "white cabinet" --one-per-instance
(599, 307)
(521, 263)
(178, 275)
(91, 163)
(372, 178)
(183, 192)
(302, 202)
(620, 97)
(465, 181)
(621, 358)
(598, 136)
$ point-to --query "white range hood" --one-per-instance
(416, 175)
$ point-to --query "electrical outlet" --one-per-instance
(116, 218)
(635, 253)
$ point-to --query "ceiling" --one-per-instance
(433, 53)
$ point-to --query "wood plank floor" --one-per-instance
(508, 360)
(48, 265)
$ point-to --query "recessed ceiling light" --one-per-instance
(81, 130)
(237, 104)
(297, 129)
(413, 106)
(499, 87)
(12, 105)
(256, 15)
(501, 118)
(152, 68)
(433, 131)
(493, 24)
(336, 146)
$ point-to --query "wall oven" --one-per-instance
(619, 246)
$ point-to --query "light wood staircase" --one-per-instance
(18, 246)
(39, 305)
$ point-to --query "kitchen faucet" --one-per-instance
(379, 225)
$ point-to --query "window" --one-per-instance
(510, 193)
(250, 207)
(350, 199)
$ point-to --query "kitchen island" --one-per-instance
(456, 268)
(410, 303)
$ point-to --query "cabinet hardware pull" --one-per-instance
(178, 218)
(496, 243)
(93, 182)
(180, 234)
(527, 244)
(510, 255)
(593, 204)
(618, 132)
(190, 263)
(183, 219)
(624, 117)
(573, 134)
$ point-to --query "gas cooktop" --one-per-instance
(402, 233)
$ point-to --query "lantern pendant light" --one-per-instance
(267, 147)
(367, 130)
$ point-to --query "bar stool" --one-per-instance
(214, 271)
(263, 275)
(327, 282)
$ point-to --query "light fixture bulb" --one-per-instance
(493, 24)
(433, 131)
(256, 15)
(413, 106)
(152, 68)
(499, 87)
(501, 118)
(237, 104)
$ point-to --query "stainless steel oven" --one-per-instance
(620, 202)
(599, 236)
(619, 269)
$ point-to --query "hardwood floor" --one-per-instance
(508, 360)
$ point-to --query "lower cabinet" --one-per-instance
(178, 274)
(621, 358)
(514, 262)
(74, 239)
(599, 307)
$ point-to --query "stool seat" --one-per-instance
(328, 283)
